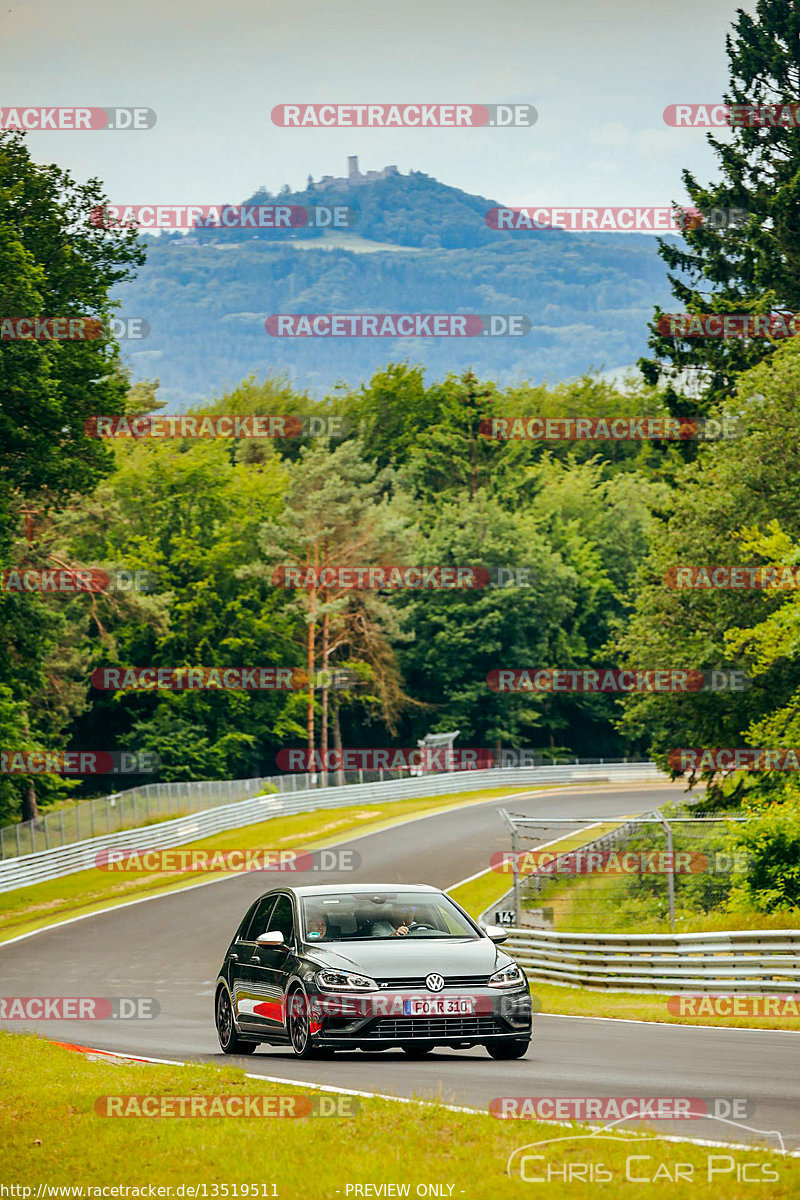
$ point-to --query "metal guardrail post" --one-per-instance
(514, 864)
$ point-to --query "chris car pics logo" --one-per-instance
(595, 1158)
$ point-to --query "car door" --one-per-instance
(267, 968)
(246, 998)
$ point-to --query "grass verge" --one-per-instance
(33, 907)
(51, 1134)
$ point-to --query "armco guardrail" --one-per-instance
(152, 802)
(80, 856)
(742, 961)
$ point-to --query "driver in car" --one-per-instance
(402, 922)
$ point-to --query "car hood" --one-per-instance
(402, 958)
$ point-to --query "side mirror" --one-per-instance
(270, 939)
(496, 933)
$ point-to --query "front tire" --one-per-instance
(299, 1026)
(229, 1039)
(508, 1048)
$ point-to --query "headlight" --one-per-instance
(508, 977)
(344, 981)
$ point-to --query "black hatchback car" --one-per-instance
(371, 966)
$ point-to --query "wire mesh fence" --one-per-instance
(653, 872)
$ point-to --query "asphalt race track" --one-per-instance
(170, 948)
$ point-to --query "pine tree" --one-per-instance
(750, 266)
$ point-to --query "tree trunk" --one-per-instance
(30, 809)
(337, 741)
(311, 665)
(323, 733)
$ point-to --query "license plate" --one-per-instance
(438, 1006)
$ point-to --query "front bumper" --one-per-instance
(379, 1019)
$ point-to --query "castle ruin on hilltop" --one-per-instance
(354, 177)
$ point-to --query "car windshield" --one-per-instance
(349, 917)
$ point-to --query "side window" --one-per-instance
(282, 919)
(245, 925)
(258, 925)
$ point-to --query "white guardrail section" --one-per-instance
(742, 961)
(80, 856)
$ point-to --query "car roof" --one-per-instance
(336, 889)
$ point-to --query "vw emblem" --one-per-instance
(434, 983)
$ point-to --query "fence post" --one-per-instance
(19, 851)
(108, 815)
(63, 835)
(91, 818)
(670, 869)
(46, 833)
(515, 869)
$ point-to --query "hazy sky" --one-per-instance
(600, 76)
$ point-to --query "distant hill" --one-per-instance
(417, 246)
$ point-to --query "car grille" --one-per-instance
(435, 1027)
(450, 981)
